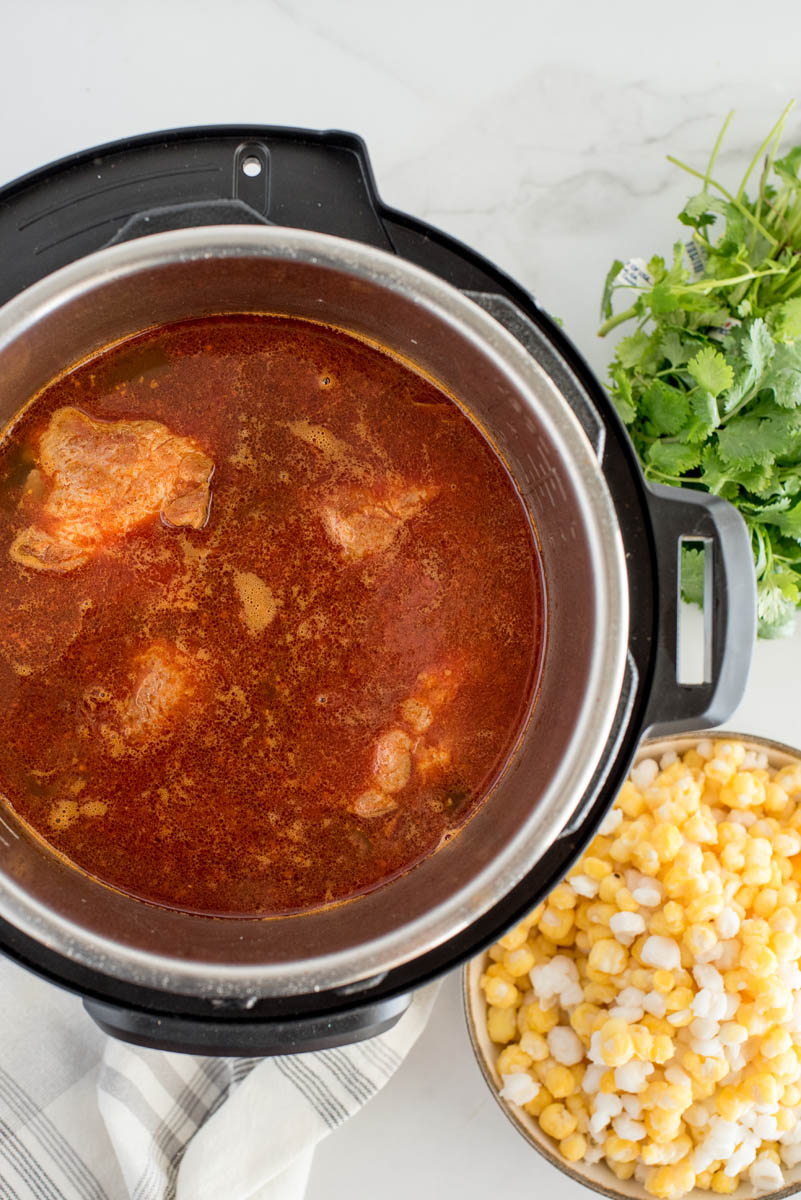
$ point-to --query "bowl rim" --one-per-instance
(542, 1143)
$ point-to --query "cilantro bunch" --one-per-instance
(709, 382)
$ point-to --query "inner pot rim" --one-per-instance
(443, 304)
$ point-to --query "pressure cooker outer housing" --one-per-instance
(206, 984)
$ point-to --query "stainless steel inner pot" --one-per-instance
(188, 273)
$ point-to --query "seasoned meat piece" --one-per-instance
(374, 804)
(363, 523)
(161, 682)
(107, 477)
(392, 761)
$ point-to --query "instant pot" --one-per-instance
(230, 219)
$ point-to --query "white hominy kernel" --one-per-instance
(626, 926)
(765, 1174)
(632, 1076)
(632, 1105)
(519, 1088)
(705, 749)
(790, 1155)
(708, 977)
(591, 1081)
(743, 1156)
(702, 1003)
(661, 952)
(655, 1004)
(644, 774)
(611, 822)
(696, 1115)
(680, 1017)
(707, 1048)
(765, 1127)
(791, 1136)
(787, 843)
(593, 1154)
(647, 896)
(704, 1029)
(582, 885)
(565, 1045)
(677, 1074)
(626, 1127)
(668, 759)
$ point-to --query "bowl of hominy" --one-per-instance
(642, 1027)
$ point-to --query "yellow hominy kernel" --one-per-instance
(791, 1095)
(667, 840)
(540, 1020)
(663, 981)
(600, 993)
(662, 1048)
(775, 1043)
(573, 1147)
(617, 1046)
(724, 1184)
(514, 938)
(607, 956)
(761, 1089)
(609, 887)
(662, 1126)
(699, 939)
(512, 1061)
(789, 779)
(623, 1170)
(729, 1104)
(670, 1182)
(645, 858)
(596, 868)
(785, 1119)
(557, 1121)
(618, 1149)
(500, 993)
(607, 1084)
(540, 1102)
(534, 1045)
(518, 962)
(629, 800)
(583, 1018)
(563, 897)
(559, 1082)
(758, 959)
(557, 924)
(678, 999)
(501, 1024)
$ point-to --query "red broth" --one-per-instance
(304, 697)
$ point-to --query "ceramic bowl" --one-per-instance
(598, 1176)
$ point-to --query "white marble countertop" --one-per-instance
(533, 131)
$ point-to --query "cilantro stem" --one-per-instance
(612, 322)
(705, 285)
(741, 208)
(775, 131)
(710, 165)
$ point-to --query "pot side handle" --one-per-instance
(729, 609)
(247, 1037)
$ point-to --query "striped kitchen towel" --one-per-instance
(84, 1117)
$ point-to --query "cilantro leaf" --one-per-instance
(783, 376)
(666, 407)
(692, 575)
(785, 321)
(673, 458)
(710, 369)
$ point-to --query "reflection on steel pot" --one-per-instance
(610, 550)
